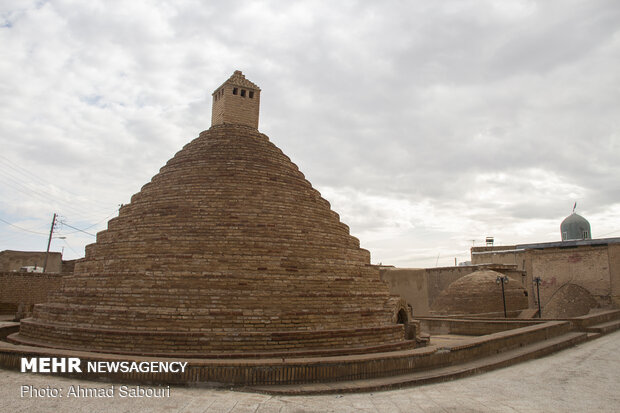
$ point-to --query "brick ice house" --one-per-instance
(227, 250)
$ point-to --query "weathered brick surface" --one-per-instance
(228, 248)
(14, 260)
(420, 287)
(478, 293)
(237, 101)
(595, 268)
(585, 267)
(242, 371)
(27, 288)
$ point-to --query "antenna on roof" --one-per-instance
(574, 206)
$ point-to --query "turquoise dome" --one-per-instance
(575, 227)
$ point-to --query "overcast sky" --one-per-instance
(427, 125)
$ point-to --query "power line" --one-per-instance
(90, 226)
(10, 236)
(79, 230)
(26, 173)
(612, 232)
(63, 223)
(38, 191)
(40, 194)
(23, 229)
(74, 251)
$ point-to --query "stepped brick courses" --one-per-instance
(228, 249)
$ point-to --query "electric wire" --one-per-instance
(39, 192)
(90, 226)
(62, 205)
(69, 246)
(26, 173)
(23, 229)
(78, 230)
(609, 233)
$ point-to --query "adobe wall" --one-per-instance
(14, 260)
(419, 287)
(441, 277)
(586, 266)
(26, 289)
(411, 285)
(502, 254)
(614, 273)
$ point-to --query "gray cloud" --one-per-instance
(425, 124)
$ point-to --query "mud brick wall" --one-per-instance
(501, 254)
(14, 260)
(592, 273)
(420, 287)
(26, 289)
(585, 268)
(614, 273)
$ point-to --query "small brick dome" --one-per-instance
(479, 293)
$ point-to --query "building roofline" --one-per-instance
(570, 243)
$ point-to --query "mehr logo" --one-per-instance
(72, 365)
(51, 365)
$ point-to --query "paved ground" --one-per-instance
(585, 378)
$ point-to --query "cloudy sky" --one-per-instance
(427, 125)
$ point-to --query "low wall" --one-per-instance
(303, 370)
(583, 322)
(470, 327)
(22, 290)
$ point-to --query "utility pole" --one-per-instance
(503, 279)
(49, 241)
(537, 281)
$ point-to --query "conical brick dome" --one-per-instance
(228, 250)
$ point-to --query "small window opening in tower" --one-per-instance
(235, 91)
(242, 93)
(251, 94)
(585, 234)
(401, 317)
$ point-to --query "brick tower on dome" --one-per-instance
(228, 251)
(236, 101)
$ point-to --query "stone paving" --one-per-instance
(581, 379)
